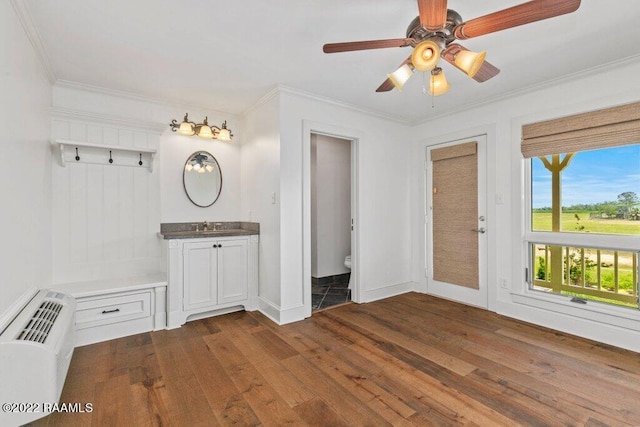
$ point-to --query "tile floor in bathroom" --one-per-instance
(329, 291)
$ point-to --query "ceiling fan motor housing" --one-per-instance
(418, 32)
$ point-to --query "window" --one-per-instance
(584, 206)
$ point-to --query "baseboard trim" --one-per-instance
(269, 309)
(386, 292)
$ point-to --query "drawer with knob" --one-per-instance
(121, 307)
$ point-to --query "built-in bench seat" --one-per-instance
(114, 308)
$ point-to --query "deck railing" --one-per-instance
(591, 273)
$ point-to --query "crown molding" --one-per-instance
(107, 119)
(166, 102)
(345, 105)
(275, 91)
(30, 29)
(279, 89)
(568, 78)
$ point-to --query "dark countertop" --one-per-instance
(187, 230)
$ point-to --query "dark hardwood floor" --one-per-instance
(407, 360)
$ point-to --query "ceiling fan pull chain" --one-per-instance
(424, 86)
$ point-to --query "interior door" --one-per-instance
(457, 227)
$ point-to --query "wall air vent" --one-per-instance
(40, 324)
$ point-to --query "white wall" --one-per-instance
(105, 218)
(330, 205)
(260, 180)
(502, 121)
(383, 181)
(25, 187)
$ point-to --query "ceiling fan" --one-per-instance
(433, 32)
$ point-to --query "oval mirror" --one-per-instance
(202, 179)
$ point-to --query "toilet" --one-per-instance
(347, 263)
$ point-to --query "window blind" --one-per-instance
(605, 128)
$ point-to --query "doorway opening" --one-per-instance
(331, 220)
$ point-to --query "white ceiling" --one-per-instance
(227, 54)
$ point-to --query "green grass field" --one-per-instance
(542, 222)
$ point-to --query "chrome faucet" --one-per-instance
(205, 226)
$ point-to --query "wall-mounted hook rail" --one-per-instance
(96, 153)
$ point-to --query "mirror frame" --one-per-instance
(184, 184)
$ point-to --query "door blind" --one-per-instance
(455, 214)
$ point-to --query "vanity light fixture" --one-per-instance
(203, 130)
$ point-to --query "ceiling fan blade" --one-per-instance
(433, 13)
(535, 10)
(363, 45)
(486, 71)
(387, 85)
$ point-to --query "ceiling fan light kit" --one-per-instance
(433, 31)
(469, 62)
(400, 76)
(426, 55)
(438, 84)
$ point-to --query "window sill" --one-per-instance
(627, 318)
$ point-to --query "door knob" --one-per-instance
(480, 230)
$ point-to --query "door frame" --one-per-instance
(477, 297)
(308, 128)
(496, 196)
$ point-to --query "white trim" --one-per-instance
(107, 119)
(26, 20)
(542, 313)
(608, 324)
(370, 295)
(586, 240)
(340, 104)
(269, 309)
(262, 100)
(594, 311)
(355, 136)
(168, 102)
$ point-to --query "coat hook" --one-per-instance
(77, 157)
(110, 158)
(140, 162)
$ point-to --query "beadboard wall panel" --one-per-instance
(105, 217)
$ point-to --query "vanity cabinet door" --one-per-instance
(233, 271)
(200, 275)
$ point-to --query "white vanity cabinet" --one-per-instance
(210, 276)
(215, 272)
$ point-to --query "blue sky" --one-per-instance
(591, 177)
